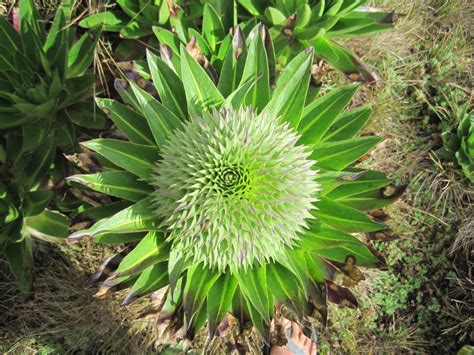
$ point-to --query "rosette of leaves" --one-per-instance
(45, 97)
(44, 89)
(241, 197)
(22, 215)
(459, 144)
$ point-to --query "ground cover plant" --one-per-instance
(420, 303)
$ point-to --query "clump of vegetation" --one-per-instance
(45, 85)
(292, 25)
(460, 145)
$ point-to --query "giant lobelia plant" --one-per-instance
(240, 197)
(45, 96)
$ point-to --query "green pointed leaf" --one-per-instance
(126, 93)
(132, 124)
(343, 59)
(86, 114)
(254, 7)
(233, 65)
(256, 66)
(78, 88)
(359, 23)
(347, 125)
(166, 37)
(259, 322)
(48, 223)
(373, 199)
(105, 211)
(212, 27)
(253, 283)
(200, 42)
(320, 114)
(296, 264)
(283, 285)
(151, 250)
(136, 218)
(329, 180)
(32, 168)
(81, 55)
(199, 280)
(31, 27)
(135, 158)
(369, 181)
(201, 93)
(9, 38)
(275, 16)
(135, 30)
(65, 134)
(344, 218)
(338, 155)
(119, 238)
(35, 202)
(169, 86)
(56, 45)
(151, 279)
(33, 134)
(315, 271)
(108, 21)
(162, 121)
(336, 245)
(20, 258)
(237, 98)
(177, 264)
(120, 184)
(219, 300)
(289, 96)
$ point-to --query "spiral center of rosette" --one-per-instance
(234, 189)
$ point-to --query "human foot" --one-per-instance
(298, 343)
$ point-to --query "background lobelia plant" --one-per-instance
(45, 91)
(293, 26)
(239, 196)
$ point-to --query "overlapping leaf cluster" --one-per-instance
(460, 145)
(293, 26)
(132, 18)
(302, 279)
(45, 90)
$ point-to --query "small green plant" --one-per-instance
(45, 90)
(23, 214)
(460, 145)
(238, 198)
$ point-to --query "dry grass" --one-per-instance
(64, 317)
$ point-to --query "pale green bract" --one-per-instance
(233, 188)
